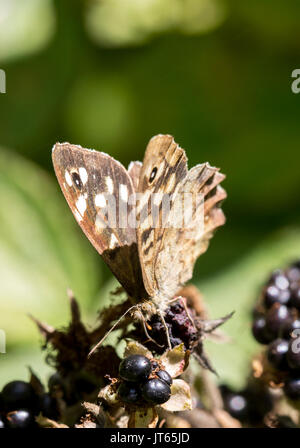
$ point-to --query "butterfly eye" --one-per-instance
(153, 174)
(76, 180)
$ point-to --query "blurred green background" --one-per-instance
(109, 74)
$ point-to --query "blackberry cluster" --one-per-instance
(143, 381)
(179, 325)
(20, 404)
(275, 319)
(249, 405)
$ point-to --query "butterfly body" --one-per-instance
(148, 245)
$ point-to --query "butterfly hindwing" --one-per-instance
(164, 167)
(90, 181)
(185, 240)
(168, 252)
(134, 170)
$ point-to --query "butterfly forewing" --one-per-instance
(97, 189)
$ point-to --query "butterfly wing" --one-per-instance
(168, 254)
(134, 171)
(164, 168)
(97, 189)
(185, 241)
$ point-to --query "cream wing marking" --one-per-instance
(86, 177)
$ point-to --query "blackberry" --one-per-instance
(129, 392)
(293, 274)
(276, 317)
(277, 354)
(22, 418)
(295, 299)
(47, 406)
(292, 388)
(271, 295)
(236, 404)
(289, 326)
(277, 323)
(282, 282)
(156, 391)
(56, 383)
(135, 368)
(18, 394)
(293, 355)
(164, 376)
(260, 331)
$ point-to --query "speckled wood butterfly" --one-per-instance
(151, 261)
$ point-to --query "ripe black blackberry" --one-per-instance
(164, 376)
(17, 394)
(22, 418)
(156, 391)
(249, 405)
(135, 368)
(129, 392)
(143, 382)
(277, 354)
(276, 322)
(21, 402)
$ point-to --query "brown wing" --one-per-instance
(97, 189)
(168, 253)
(164, 168)
(134, 171)
(186, 239)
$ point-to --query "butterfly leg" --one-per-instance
(147, 334)
(166, 328)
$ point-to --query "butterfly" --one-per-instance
(150, 260)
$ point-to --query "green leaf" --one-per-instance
(42, 252)
(132, 22)
(237, 289)
(25, 27)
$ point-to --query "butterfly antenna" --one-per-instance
(109, 331)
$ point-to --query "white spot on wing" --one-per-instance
(124, 192)
(83, 175)
(100, 223)
(100, 200)
(78, 216)
(68, 178)
(81, 205)
(109, 184)
(113, 241)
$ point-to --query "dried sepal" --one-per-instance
(176, 360)
(143, 418)
(135, 348)
(109, 395)
(36, 383)
(181, 399)
(45, 422)
(225, 420)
